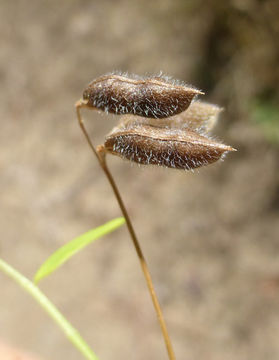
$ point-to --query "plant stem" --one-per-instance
(72, 334)
(100, 154)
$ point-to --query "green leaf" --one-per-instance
(69, 331)
(64, 253)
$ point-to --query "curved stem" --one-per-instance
(100, 154)
(71, 333)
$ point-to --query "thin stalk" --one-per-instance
(100, 154)
(71, 333)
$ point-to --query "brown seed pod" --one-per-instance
(172, 148)
(200, 116)
(156, 97)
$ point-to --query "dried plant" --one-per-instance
(157, 97)
(161, 126)
(172, 148)
(200, 117)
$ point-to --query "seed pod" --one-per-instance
(156, 97)
(172, 148)
(200, 117)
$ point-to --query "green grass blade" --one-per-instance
(60, 256)
(72, 334)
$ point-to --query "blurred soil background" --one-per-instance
(210, 237)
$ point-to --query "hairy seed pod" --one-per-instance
(200, 117)
(156, 97)
(172, 148)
